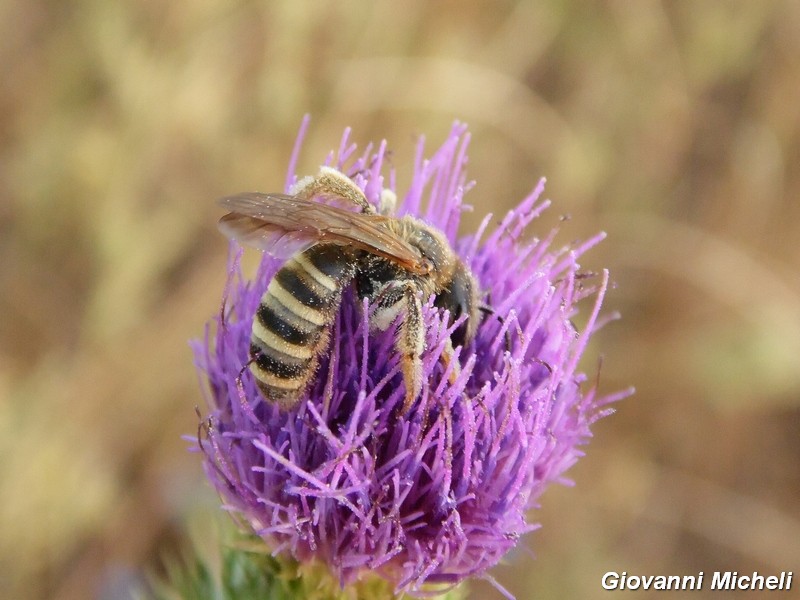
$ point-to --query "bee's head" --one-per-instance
(454, 285)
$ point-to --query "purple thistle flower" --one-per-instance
(439, 494)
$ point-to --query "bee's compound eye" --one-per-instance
(458, 298)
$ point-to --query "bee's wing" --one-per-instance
(283, 225)
(264, 222)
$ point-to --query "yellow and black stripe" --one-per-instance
(292, 325)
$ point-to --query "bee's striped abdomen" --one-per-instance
(291, 326)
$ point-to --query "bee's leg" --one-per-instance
(393, 299)
(410, 343)
(447, 358)
(332, 183)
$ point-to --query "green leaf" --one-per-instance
(243, 569)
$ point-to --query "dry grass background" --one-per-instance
(672, 125)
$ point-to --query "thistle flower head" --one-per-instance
(427, 498)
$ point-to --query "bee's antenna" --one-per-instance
(488, 310)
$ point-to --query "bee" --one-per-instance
(333, 237)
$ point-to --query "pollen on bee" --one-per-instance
(300, 185)
(388, 202)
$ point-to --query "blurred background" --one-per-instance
(673, 126)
